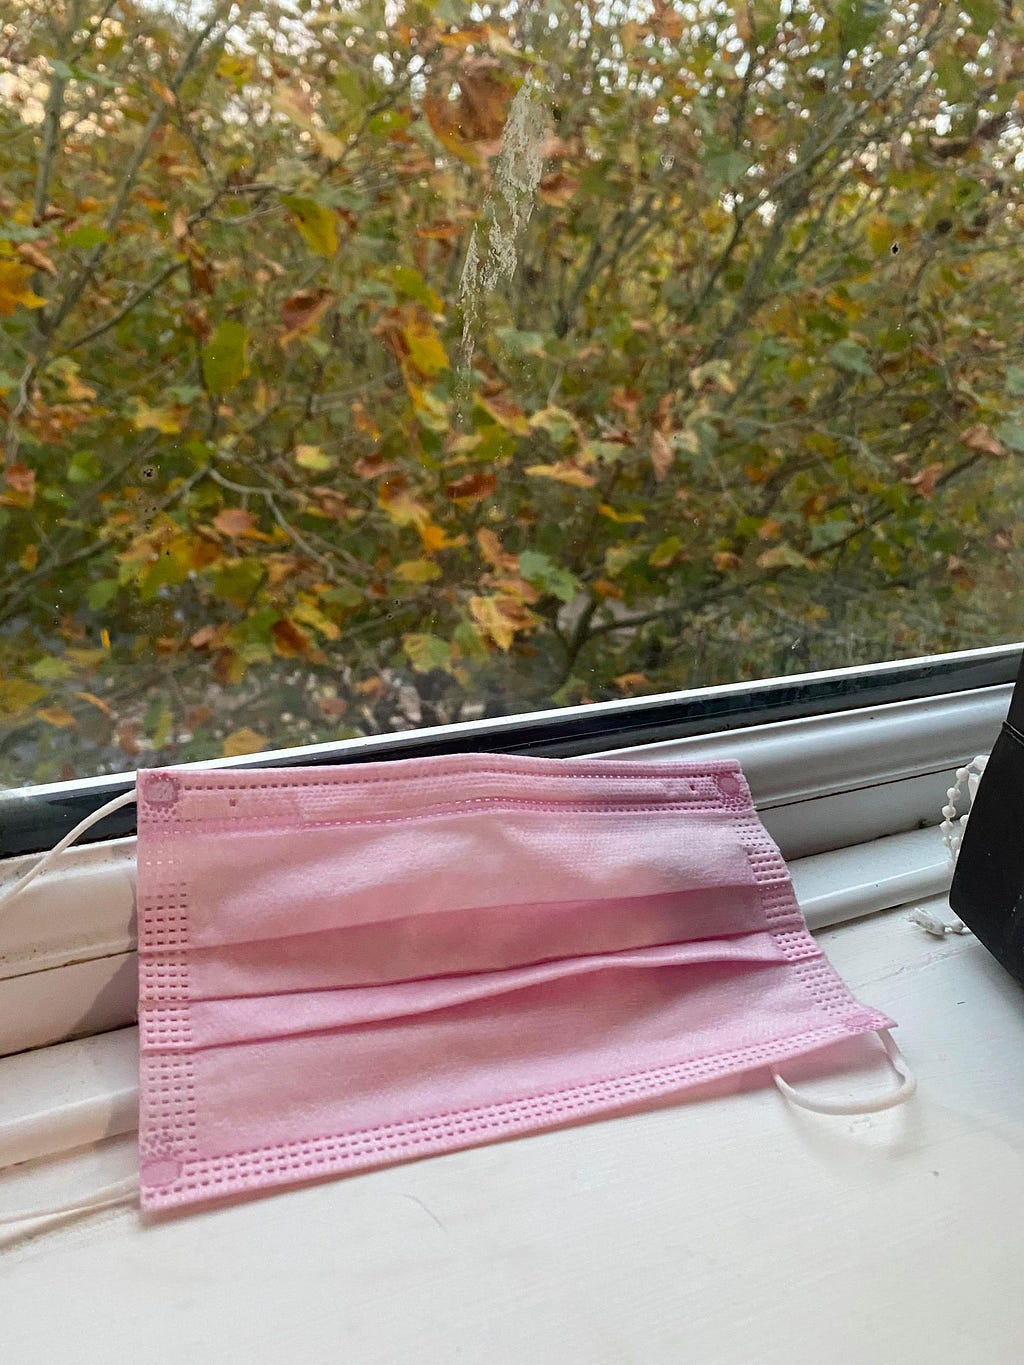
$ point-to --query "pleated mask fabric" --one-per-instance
(346, 967)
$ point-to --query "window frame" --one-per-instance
(34, 818)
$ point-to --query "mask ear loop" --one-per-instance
(19, 886)
(906, 1088)
(124, 1191)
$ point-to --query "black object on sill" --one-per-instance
(988, 884)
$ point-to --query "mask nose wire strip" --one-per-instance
(19, 886)
(903, 1092)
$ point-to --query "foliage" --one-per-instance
(357, 374)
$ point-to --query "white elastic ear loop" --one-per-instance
(906, 1088)
(19, 886)
(123, 1192)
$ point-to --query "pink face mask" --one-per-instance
(346, 967)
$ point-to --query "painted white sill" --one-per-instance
(57, 1098)
(724, 1231)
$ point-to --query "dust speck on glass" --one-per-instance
(373, 366)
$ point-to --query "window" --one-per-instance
(374, 367)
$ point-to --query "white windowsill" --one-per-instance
(726, 1230)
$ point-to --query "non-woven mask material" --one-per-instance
(346, 967)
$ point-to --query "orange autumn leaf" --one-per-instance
(925, 480)
(58, 716)
(490, 548)
(21, 479)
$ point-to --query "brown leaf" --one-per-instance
(490, 548)
(32, 254)
(631, 683)
(202, 637)
(724, 560)
(472, 487)
(477, 114)
(289, 641)
(661, 456)
(979, 437)
(372, 466)
(301, 311)
(21, 479)
(926, 479)
(234, 522)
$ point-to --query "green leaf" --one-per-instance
(426, 652)
(50, 668)
(1015, 381)
(520, 343)
(983, 14)
(317, 225)
(849, 355)
(84, 467)
(954, 79)
(418, 571)
(726, 168)
(410, 284)
(545, 575)
(85, 237)
(1011, 433)
(238, 580)
(858, 20)
(224, 362)
(101, 593)
(158, 722)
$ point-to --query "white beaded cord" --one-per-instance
(953, 825)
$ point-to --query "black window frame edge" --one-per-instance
(33, 819)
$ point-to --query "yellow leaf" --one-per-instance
(14, 288)
(312, 457)
(243, 741)
(29, 557)
(489, 617)
(317, 225)
(417, 571)
(165, 420)
(56, 715)
(621, 517)
(402, 507)
(307, 611)
(425, 348)
(563, 472)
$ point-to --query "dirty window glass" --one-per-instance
(371, 366)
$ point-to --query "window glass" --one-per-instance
(367, 366)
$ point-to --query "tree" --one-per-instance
(357, 375)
